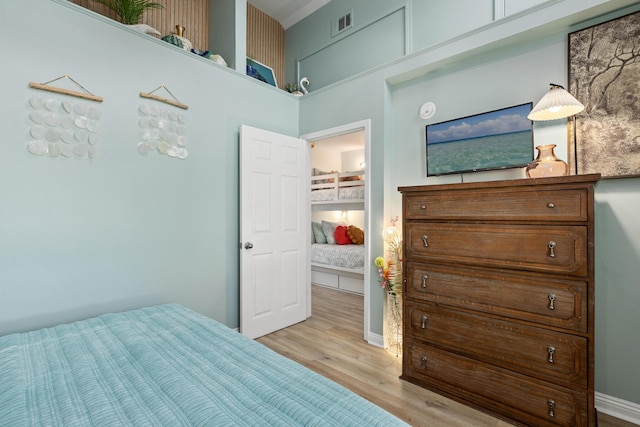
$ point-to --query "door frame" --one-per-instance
(365, 126)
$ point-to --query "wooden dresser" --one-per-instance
(499, 296)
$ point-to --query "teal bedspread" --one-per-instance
(164, 366)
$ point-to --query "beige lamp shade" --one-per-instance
(556, 104)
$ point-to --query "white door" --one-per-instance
(274, 231)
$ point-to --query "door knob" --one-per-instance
(248, 245)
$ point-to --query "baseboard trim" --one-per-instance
(622, 409)
(375, 339)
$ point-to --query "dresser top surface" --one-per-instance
(572, 180)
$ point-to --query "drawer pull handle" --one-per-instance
(552, 408)
(423, 362)
(424, 240)
(423, 322)
(423, 207)
(552, 246)
(424, 281)
(551, 350)
(551, 205)
(552, 299)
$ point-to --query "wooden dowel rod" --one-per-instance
(65, 91)
(166, 100)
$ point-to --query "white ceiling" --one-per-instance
(288, 12)
(345, 142)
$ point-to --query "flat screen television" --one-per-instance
(499, 139)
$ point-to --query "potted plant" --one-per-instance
(130, 11)
(291, 87)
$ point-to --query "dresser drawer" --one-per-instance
(552, 249)
(501, 204)
(547, 301)
(547, 355)
(522, 399)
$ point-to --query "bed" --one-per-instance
(337, 259)
(337, 187)
(338, 266)
(164, 365)
(347, 257)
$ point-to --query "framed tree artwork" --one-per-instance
(604, 74)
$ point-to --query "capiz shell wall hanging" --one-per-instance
(62, 126)
(162, 129)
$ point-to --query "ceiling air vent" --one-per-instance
(342, 23)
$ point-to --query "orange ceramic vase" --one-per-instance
(546, 164)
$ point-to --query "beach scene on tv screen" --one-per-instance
(493, 140)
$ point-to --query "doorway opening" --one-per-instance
(340, 155)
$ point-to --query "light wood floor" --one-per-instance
(331, 343)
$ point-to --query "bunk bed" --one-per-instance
(339, 266)
(337, 188)
(165, 365)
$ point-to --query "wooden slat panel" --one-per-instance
(265, 41)
(191, 14)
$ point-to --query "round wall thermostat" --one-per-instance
(427, 110)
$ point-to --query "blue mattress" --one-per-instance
(164, 366)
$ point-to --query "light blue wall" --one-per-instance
(227, 31)
(383, 30)
(618, 288)
(378, 36)
(434, 22)
(502, 63)
(367, 47)
(80, 237)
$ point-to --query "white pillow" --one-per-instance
(144, 28)
(329, 229)
(318, 233)
(218, 59)
(186, 43)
